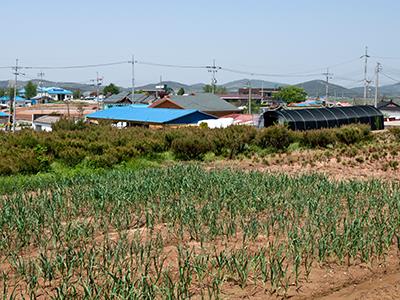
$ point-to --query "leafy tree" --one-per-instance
(208, 88)
(181, 92)
(30, 90)
(110, 89)
(77, 94)
(291, 94)
(2, 92)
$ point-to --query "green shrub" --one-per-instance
(190, 147)
(351, 134)
(66, 124)
(278, 137)
(110, 158)
(233, 140)
(319, 138)
(72, 156)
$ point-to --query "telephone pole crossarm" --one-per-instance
(213, 69)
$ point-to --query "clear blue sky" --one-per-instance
(267, 36)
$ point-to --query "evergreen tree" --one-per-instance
(181, 92)
(30, 90)
(110, 89)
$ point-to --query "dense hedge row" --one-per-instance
(28, 152)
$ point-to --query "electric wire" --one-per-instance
(170, 65)
(390, 77)
(75, 67)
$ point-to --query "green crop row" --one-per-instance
(182, 231)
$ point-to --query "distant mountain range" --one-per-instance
(232, 86)
(313, 88)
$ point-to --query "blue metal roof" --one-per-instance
(151, 115)
(18, 98)
(57, 90)
(3, 114)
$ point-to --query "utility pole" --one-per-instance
(262, 91)
(377, 70)
(368, 90)
(14, 102)
(97, 83)
(328, 76)
(249, 88)
(365, 56)
(133, 78)
(40, 75)
(213, 69)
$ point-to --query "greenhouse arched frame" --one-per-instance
(317, 118)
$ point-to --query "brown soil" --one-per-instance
(333, 282)
(329, 281)
(375, 280)
(298, 163)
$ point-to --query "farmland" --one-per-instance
(97, 212)
(182, 231)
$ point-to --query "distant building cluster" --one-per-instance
(162, 106)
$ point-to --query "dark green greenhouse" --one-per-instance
(316, 118)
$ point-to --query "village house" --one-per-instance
(125, 98)
(390, 109)
(207, 103)
(44, 122)
(143, 116)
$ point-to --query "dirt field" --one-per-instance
(378, 162)
(199, 225)
(335, 282)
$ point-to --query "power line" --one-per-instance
(77, 66)
(170, 65)
(386, 57)
(266, 74)
(388, 76)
